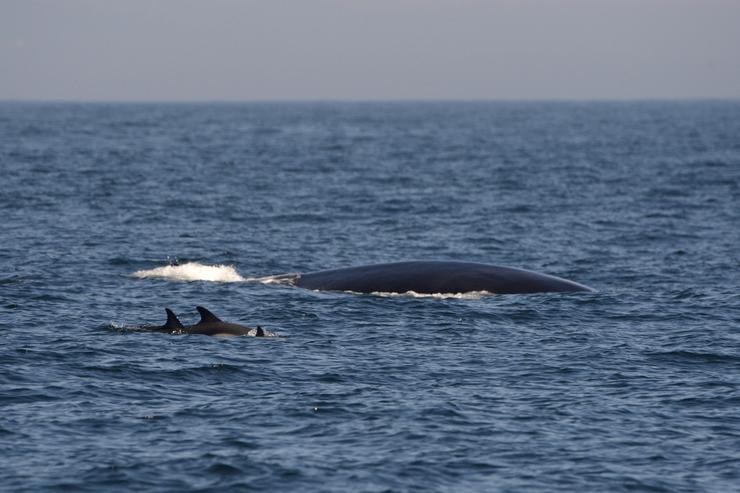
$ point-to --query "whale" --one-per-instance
(435, 276)
(209, 324)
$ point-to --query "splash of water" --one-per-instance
(192, 271)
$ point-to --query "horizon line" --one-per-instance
(700, 99)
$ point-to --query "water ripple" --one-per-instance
(633, 388)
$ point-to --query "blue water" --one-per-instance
(633, 388)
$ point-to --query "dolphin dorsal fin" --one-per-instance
(206, 316)
(173, 323)
(259, 332)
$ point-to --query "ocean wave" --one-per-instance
(699, 357)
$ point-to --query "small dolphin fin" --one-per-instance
(259, 332)
(206, 316)
(172, 321)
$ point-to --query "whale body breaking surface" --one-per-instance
(422, 277)
(430, 277)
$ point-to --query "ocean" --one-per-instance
(109, 213)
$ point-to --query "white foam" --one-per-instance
(192, 271)
(287, 279)
(471, 295)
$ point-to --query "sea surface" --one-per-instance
(111, 212)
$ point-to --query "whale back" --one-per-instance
(429, 277)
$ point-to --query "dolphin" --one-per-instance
(431, 277)
(171, 326)
(209, 324)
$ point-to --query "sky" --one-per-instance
(266, 50)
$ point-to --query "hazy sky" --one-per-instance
(368, 49)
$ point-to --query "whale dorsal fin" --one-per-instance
(172, 321)
(259, 332)
(206, 316)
